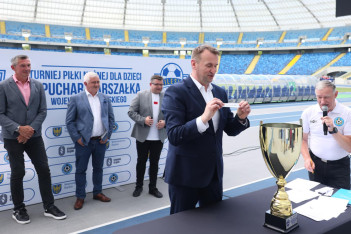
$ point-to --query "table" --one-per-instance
(243, 214)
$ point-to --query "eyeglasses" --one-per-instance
(157, 84)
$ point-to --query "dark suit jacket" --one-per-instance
(194, 158)
(80, 119)
(141, 107)
(14, 111)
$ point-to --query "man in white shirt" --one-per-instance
(327, 156)
(90, 122)
(149, 132)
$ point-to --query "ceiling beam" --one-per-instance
(270, 12)
(200, 11)
(83, 12)
(236, 16)
(35, 9)
(125, 12)
(310, 12)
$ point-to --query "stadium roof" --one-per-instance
(178, 15)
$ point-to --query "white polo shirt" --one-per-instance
(325, 146)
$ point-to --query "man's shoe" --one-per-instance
(101, 197)
(54, 212)
(79, 204)
(137, 191)
(21, 216)
(156, 193)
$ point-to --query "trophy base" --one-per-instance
(283, 225)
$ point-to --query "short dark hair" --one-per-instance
(15, 59)
(156, 77)
(200, 49)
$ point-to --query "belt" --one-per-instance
(95, 138)
(330, 161)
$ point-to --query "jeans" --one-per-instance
(35, 150)
(97, 151)
(151, 150)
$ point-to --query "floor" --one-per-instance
(244, 171)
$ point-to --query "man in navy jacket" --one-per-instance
(195, 121)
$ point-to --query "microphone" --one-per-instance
(325, 113)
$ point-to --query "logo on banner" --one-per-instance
(2, 75)
(115, 127)
(6, 158)
(61, 150)
(109, 162)
(172, 73)
(57, 131)
(56, 188)
(113, 178)
(66, 168)
(3, 199)
(2, 177)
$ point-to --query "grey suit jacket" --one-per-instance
(15, 112)
(139, 109)
(80, 119)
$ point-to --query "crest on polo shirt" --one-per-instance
(338, 121)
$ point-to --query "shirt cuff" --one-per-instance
(242, 121)
(201, 127)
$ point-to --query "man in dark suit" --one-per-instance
(22, 113)
(195, 121)
(90, 121)
(149, 133)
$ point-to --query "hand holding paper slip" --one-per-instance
(231, 104)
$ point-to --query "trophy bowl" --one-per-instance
(281, 145)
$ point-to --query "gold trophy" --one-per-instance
(280, 145)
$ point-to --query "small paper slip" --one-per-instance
(231, 104)
(301, 184)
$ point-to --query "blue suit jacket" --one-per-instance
(194, 158)
(80, 119)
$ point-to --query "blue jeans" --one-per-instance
(83, 153)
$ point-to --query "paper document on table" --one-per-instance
(231, 104)
(323, 208)
(301, 184)
(325, 191)
(297, 195)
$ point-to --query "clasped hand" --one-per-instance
(25, 133)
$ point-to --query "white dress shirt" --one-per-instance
(98, 127)
(208, 96)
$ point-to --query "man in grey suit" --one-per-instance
(22, 113)
(90, 122)
(150, 133)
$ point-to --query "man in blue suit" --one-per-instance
(90, 121)
(195, 121)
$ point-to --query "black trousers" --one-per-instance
(335, 174)
(185, 198)
(35, 150)
(145, 150)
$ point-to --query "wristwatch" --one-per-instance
(335, 130)
(17, 129)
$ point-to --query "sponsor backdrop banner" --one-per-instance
(62, 76)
